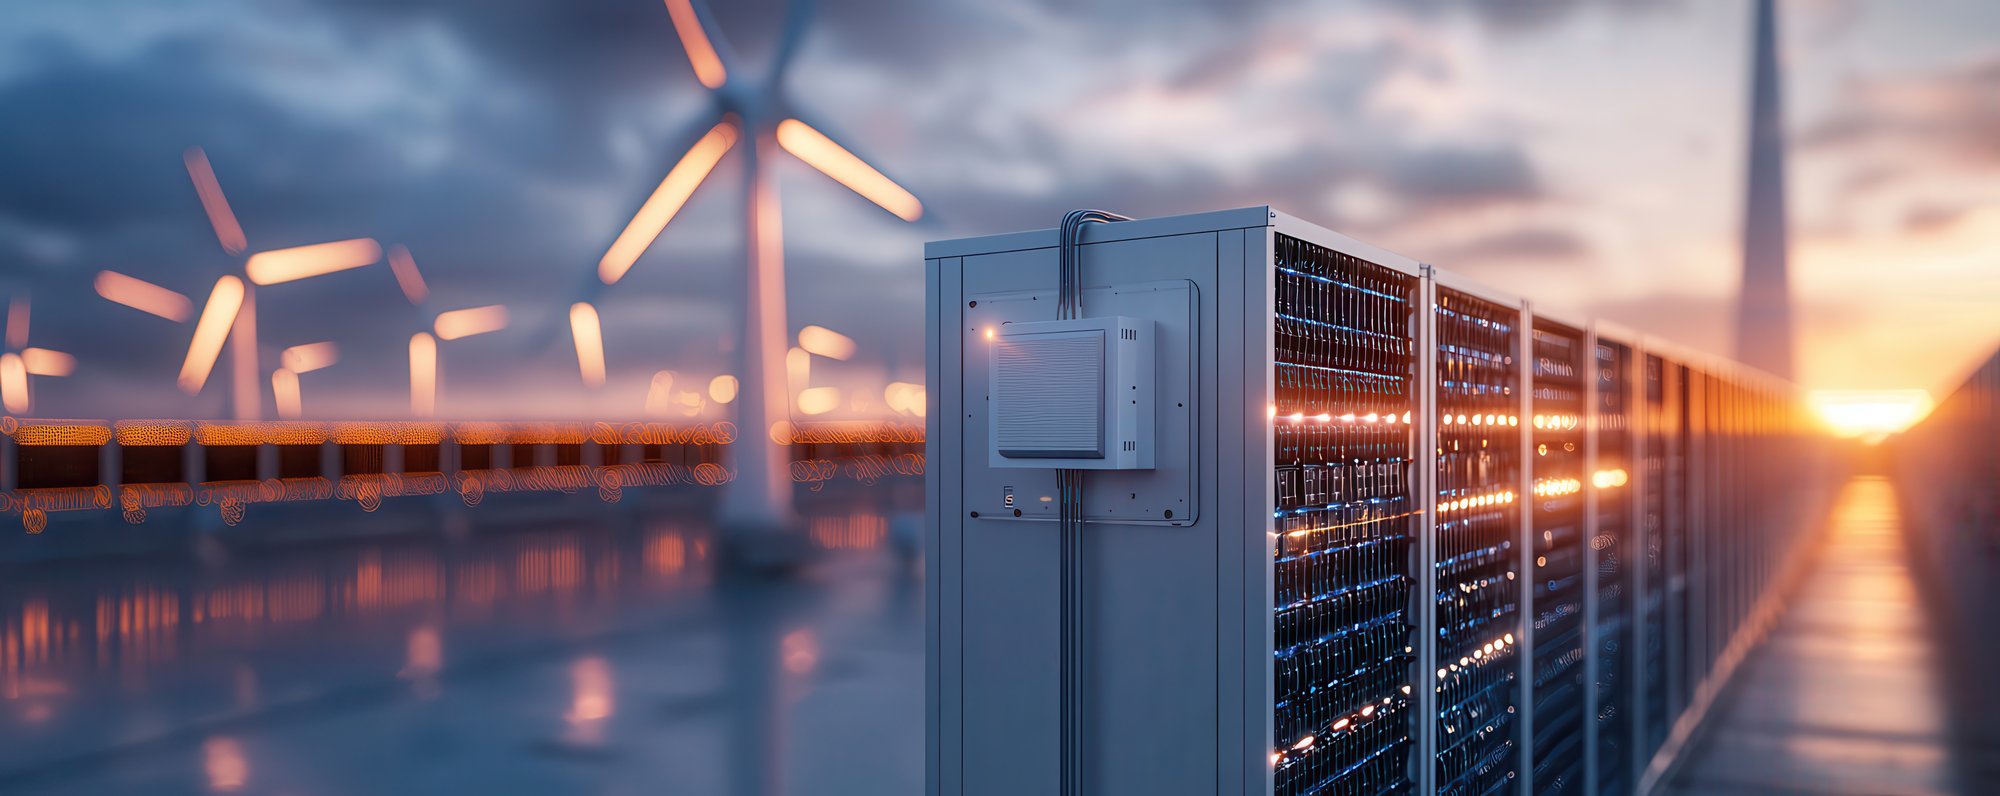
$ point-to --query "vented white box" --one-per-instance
(1073, 394)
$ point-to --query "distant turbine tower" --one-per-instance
(21, 361)
(230, 315)
(1764, 310)
(755, 111)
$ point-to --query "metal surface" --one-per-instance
(1629, 551)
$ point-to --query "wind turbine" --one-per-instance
(230, 314)
(752, 110)
(448, 325)
(21, 361)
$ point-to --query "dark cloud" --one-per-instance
(486, 144)
(1543, 245)
(1933, 217)
(1952, 116)
(1450, 178)
(1527, 15)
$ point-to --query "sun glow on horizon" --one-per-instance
(1870, 414)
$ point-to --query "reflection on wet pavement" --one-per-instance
(601, 656)
(1844, 697)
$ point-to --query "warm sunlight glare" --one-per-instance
(1870, 414)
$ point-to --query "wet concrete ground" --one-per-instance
(1845, 696)
(614, 656)
(577, 659)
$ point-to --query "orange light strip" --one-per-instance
(143, 296)
(220, 217)
(300, 262)
(62, 433)
(833, 160)
(407, 276)
(470, 321)
(147, 433)
(210, 332)
(700, 51)
(589, 335)
(666, 200)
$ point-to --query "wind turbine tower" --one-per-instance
(751, 109)
(1764, 310)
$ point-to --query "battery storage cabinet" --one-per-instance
(1346, 524)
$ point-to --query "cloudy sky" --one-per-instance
(1589, 155)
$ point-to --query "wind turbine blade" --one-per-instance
(659, 393)
(227, 231)
(44, 362)
(285, 389)
(309, 357)
(143, 296)
(300, 262)
(666, 200)
(833, 160)
(821, 341)
(798, 16)
(468, 322)
(13, 383)
(423, 375)
(691, 25)
(798, 368)
(589, 336)
(819, 400)
(17, 322)
(210, 332)
(407, 276)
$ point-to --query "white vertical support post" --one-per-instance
(194, 459)
(1696, 654)
(1524, 540)
(267, 460)
(329, 458)
(392, 455)
(1636, 419)
(1593, 419)
(111, 464)
(10, 463)
(1424, 601)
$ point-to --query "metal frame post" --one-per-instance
(1425, 598)
(1524, 539)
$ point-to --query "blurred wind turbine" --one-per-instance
(230, 314)
(755, 111)
(292, 362)
(447, 325)
(21, 361)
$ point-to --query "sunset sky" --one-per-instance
(1588, 155)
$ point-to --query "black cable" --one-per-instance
(1069, 488)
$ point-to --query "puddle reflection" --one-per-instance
(106, 661)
